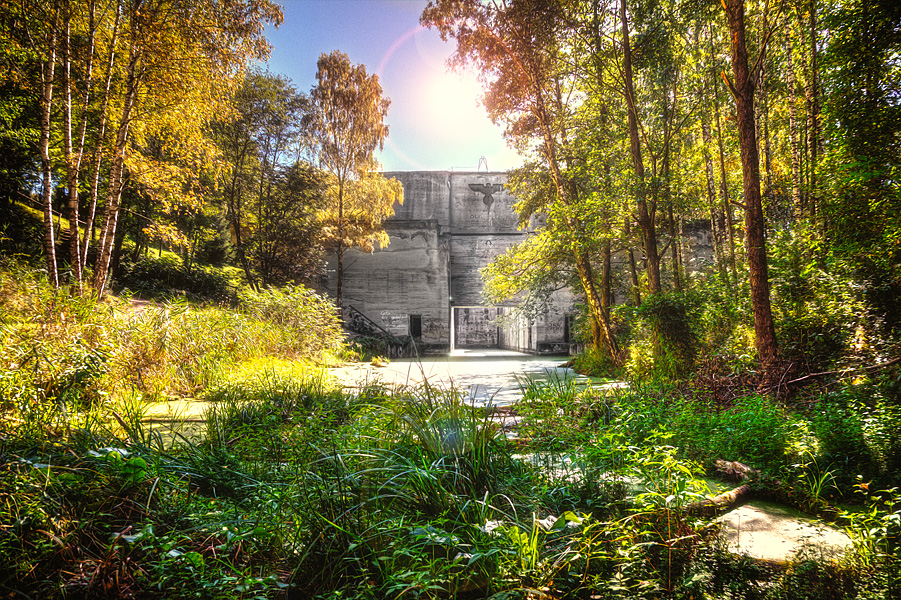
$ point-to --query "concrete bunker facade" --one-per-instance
(425, 283)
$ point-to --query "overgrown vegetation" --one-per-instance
(780, 358)
(298, 489)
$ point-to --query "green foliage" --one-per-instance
(20, 232)
(168, 277)
(270, 204)
(70, 349)
(876, 534)
(594, 363)
(672, 333)
(297, 487)
(558, 414)
(819, 305)
(756, 429)
(725, 321)
(306, 324)
(839, 424)
(367, 348)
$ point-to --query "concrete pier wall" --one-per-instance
(426, 283)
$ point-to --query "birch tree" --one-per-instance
(346, 126)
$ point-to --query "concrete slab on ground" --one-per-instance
(771, 531)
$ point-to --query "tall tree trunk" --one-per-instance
(607, 275)
(116, 254)
(635, 290)
(73, 162)
(340, 275)
(764, 120)
(47, 79)
(717, 215)
(811, 94)
(724, 195)
(242, 253)
(596, 301)
(234, 209)
(117, 172)
(646, 211)
(797, 206)
(724, 182)
(683, 250)
(97, 160)
(674, 249)
(716, 232)
(674, 246)
(743, 90)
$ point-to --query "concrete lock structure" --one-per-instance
(425, 284)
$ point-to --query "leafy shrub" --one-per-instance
(876, 535)
(66, 347)
(168, 277)
(816, 303)
(723, 315)
(813, 341)
(839, 424)
(756, 429)
(594, 363)
(307, 324)
(666, 344)
(21, 233)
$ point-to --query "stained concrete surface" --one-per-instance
(774, 532)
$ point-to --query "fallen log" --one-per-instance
(733, 471)
(720, 504)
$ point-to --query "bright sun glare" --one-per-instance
(446, 124)
(451, 101)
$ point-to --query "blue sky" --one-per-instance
(435, 120)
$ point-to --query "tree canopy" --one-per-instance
(346, 127)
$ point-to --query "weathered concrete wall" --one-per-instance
(451, 225)
(460, 202)
(697, 246)
(516, 333)
(469, 254)
(550, 329)
(475, 327)
(479, 203)
(426, 196)
(408, 277)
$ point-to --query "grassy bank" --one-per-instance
(297, 489)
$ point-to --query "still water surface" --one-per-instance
(485, 376)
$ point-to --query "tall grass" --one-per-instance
(298, 489)
(67, 347)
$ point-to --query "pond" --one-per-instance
(485, 376)
(758, 529)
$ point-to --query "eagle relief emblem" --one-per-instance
(488, 189)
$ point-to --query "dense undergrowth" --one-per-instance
(298, 489)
